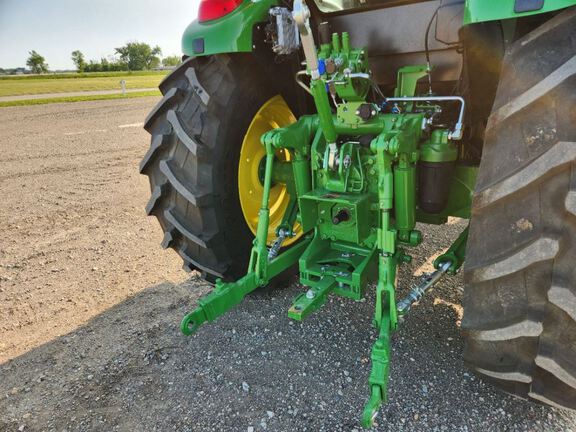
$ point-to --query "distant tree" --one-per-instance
(93, 66)
(109, 64)
(105, 64)
(139, 55)
(118, 66)
(36, 62)
(78, 59)
(171, 61)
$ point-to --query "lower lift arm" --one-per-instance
(263, 266)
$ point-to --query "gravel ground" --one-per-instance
(86, 349)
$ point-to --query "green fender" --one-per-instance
(231, 33)
(490, 10)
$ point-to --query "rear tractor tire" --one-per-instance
(520, 272)
(203, 162)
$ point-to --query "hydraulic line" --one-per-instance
(456, 134)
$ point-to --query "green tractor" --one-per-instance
(311, 137)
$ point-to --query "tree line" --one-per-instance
(134, 56)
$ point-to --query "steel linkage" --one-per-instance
(353, 187)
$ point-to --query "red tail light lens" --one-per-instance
(214, 9)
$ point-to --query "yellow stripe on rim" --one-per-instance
(275, 113)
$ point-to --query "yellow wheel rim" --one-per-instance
(275, 113)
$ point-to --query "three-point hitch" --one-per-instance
(363, 171)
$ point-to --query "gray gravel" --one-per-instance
(130, 369)
(254, 369)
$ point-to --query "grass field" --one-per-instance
(62, 83)
(78, 98)
(67, 75)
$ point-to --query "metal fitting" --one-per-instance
(277, 245)
(455, 134)
(429, 280)
(301, 15)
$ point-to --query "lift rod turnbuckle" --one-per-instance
(404, 305)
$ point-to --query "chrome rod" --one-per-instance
(417, 293)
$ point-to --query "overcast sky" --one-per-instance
(55, 28)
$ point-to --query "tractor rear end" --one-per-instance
(248, 185)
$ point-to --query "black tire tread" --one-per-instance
(520, 296)
(196, 130)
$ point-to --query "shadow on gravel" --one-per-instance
(130, 369)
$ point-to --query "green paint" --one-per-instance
(311, 300)
(323, 107)
(491, 10)
(355, 203)
(455, 255)
(408, 77)
(378, 380)
(234, 32)
(231, 33)
(439, 148)
(405, 209)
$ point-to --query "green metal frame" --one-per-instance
(490, 10)
(356, 204)
(231, 33)
(234, 32)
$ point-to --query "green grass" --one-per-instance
(15, 86)
(80, 75)
(78, 98)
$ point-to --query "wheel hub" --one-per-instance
(275, 113)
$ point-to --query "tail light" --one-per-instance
(214, 9)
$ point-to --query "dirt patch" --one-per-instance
(74, 238)
(90, 306)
